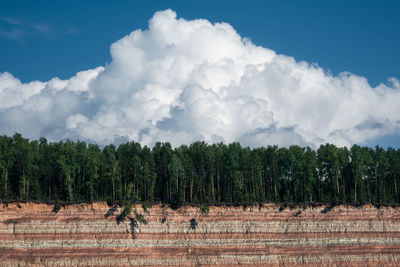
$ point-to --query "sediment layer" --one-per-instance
(90, 235)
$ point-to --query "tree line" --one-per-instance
(198, 173)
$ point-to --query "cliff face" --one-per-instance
(89, 234)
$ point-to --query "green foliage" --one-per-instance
(204, 210)
(57, 207)
(11, 221)
(326, 209)
(140, 217)
(198, 173)
(146, 206)
(193, 224)
(125, 212)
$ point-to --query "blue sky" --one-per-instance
(357, 36)
(40, 40)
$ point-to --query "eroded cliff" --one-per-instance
(90, 234)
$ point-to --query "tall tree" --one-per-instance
(149, 174)
(22, 166)
(394, 172)
(162, 153)
(110, 172)
(329, 172)
(7, 152)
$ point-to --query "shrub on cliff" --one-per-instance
(111, 211)
(57, 207)
(146, 205)
(204, 210)
(193, 224)
(125, 212)
(11, 221)
(139, 217)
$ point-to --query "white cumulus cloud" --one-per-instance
(182, 81)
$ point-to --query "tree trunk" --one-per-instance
(184, 191)
(24, 183)
(212, 188)
(337, 187)
(134, 183)
(191, 188)
(218, 178)
(28, 188)
(204, 190)
(168, 191)
(253, 189)
(395, 186)
(5, 177)
(48, 179)
(113, 187)
(125, 183)
(177, 186)
(355, 190)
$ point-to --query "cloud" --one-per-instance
(18, 28)
(182, 81)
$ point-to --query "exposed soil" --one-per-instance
(89, 234)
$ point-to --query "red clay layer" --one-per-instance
(18, 226)
(190, 236)
(164, 252)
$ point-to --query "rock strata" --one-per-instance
(90, 235)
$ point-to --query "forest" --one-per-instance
(38, 170)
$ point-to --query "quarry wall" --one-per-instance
(32, 234)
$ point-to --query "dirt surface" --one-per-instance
(31, 234)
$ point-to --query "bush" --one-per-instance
(125, 212)
(297, 213)
(146, 206)
(57, 207)
(204, 210)
(140, 218)
(11, 221)
(193, 224)
(111, 211)
(175, 204)
(326, 209)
